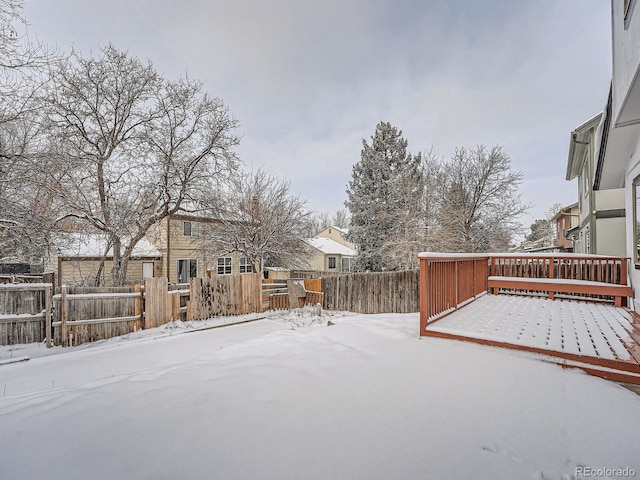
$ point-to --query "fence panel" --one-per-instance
(24, 313)
(86, 305)
(379, 292)
(224, 295)
(157, 304)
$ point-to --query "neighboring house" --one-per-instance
(173, 248)
(600, 225)
(328, 255)
(337, 234)
(181, 244)
(78, 260)
(618, 138)
(565, 227)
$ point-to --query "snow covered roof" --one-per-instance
(330, 247)
(344, 231)
(94, 245)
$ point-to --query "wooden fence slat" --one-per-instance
(377, 292)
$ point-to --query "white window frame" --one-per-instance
(192, 261)
(190, 229)
(346, 262)
(226, 267)
(245, 265)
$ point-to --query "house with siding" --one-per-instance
(617, 143)
(331, 251)
(328, 255)
(172, 248)
(600, 225)
(565, 227)
(83, 259)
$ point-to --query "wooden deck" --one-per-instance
(599, 338)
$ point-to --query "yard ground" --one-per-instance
(290, 398)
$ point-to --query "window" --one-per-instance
(332, 263)
(191, 229)
(224, 266)
(147, 270)
(187, 269)
(346, 264)
(245, 265)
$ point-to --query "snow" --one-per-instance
(329, 246)
(289, 397)
(578, 328)
(93, 245)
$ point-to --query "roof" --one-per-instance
(94, 245)
(578, 145)
(330, 247)
(565, 211)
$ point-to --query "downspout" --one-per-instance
(168, 248)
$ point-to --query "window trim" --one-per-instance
(190, 260)
(335, 262)
(245, 267)
(194, 228)
(224, 266)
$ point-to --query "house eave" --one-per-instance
(578, 146)
(629, 111)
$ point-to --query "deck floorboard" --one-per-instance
(604, 338)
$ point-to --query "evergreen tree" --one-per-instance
(381, 196)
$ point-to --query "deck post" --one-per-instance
(424, 297)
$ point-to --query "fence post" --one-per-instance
(137, 305)
(63, 315)
(47, 315)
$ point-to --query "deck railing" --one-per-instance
(448, 281)
(568, 266)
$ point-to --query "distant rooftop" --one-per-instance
(94, 245)
(330, 247)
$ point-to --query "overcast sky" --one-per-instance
(308, 80)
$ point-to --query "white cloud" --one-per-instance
(309, 80)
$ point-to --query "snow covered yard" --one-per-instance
(288, 397)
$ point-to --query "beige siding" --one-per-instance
(83, 272)
(336, 235)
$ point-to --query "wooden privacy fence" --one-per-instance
(380, 292)
(224, 295)
(90, 314)
(25, 313)
(298, 292)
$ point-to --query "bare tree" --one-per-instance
(480, 204)
(133, 146)
(321, 220)
(261, 219)
(25, 215)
